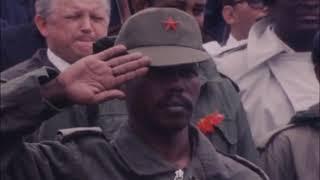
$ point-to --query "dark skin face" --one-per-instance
(195, 8)
(296, 22)
(164, 99)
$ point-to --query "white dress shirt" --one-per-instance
(275, 81)
(59, 63)
(214, 48)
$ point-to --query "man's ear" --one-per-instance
(41, 24)
(228, 15)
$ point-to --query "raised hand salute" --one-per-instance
(96, 78)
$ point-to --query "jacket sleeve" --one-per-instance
(22, 112)
(22, 107)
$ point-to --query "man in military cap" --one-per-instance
(233, 135)
(275, 60)
(157, 141)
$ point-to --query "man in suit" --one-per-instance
(69, 28)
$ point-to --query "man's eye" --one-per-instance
(188, 74)
(97, 18)
(72, 17)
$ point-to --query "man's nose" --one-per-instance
(177, 83)
(86, 24)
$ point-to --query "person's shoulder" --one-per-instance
(240, 168)
(263, 144)
(24, 67)
(81, 133)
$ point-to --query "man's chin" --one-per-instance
(84, 49)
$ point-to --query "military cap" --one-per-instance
(167, 35)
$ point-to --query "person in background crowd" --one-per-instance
(273, 69)
(70, 28)
(19, 43)
(214, 28)
(16, 12)
(293, 152)
(157, 141)
(239, 15)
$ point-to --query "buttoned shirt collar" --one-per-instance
(59, 63)
(231, 40)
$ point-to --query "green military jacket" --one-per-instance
(293, 151)
(87, 153)
(233, 135)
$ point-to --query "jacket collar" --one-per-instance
(142, 160)
(263, 44)
(42, 58)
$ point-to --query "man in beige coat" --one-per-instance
(273, 69)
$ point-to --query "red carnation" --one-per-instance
(207, 124)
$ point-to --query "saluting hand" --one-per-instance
(95, 78)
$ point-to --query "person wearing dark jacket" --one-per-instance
(157, 141)
(232, 135)
(293, 152)
(19, 43)
(16, 12)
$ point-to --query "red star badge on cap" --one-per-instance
(170, 24)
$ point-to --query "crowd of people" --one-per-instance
(163, 98)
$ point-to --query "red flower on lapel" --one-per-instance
(209, 122)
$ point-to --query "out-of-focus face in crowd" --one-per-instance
(71, 26)
(296, 21)
(195, 8)
(296, 15)
(241, 15)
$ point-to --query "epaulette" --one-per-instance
(247, 164)
(262, 144)
(65, 135)
(227, 50)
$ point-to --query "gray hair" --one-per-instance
(43, 7)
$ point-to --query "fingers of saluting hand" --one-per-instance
(130, 75)
(111, 52)
(116, 61)
(108, 95)
(128, 63)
